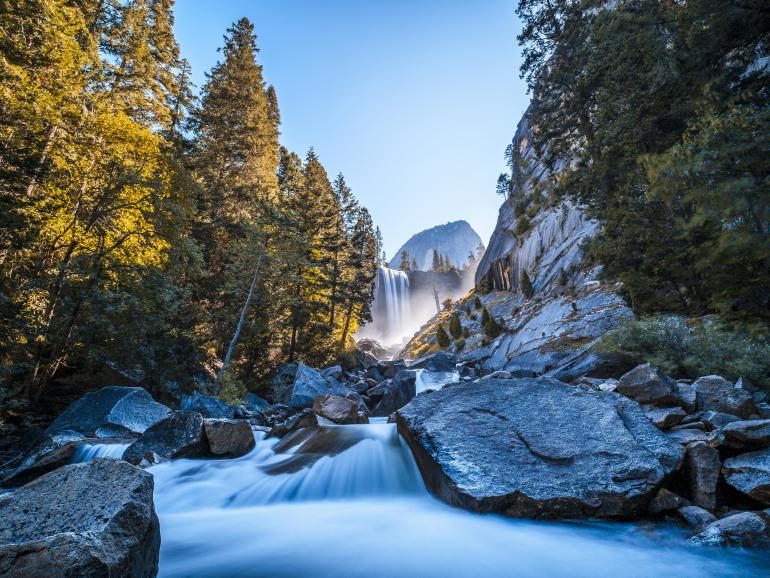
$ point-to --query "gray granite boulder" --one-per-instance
(394, 393)
(750, 474)
(713, 392)
(180, 435)
(297, 385)
(337, 409)
(207, 406)
(228, 437)
(702, 466)
(113, 411)
(751, 434)
(665, 417)
(647, 384)
(744, 530)
(537, 448)
(83, 520)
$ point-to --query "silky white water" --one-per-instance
(392, 318)
(87, 452)
(434, 379)
(349, 502)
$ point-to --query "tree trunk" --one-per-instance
(242, 319)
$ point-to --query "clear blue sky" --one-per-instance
(413, 100)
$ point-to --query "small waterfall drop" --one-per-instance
(87, 452)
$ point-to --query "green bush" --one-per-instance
(442, 338)
(477, 303)
(231, 389)
(522, 226)
(492, 328)
(692, 348)
(459, 344)
(455, 327)
(484, 316)
(347, 359)
(526, 284)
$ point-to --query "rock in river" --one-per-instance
(84, 520)
(750, 473)
(178, 436)
(113, 411)
(229, 437)
(537, 448)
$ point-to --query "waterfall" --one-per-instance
(391, 310)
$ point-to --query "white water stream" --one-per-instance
(349, 502)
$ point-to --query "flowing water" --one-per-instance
(348, 501)
(87, 452)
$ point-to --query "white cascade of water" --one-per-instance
(391, 310)
(87, 452)
(348, 501)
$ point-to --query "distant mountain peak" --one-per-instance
(453, 240)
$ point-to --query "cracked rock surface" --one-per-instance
(537, 448)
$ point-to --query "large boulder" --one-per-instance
(750, 473)
(440, 361)
(207, 406)
(301, 420)
(744, 530)
(229, 437)
(537, 448)
(113, 411)
(180, 435)
(749, 434)
(647, 384)
(337, 409)
(394, 393)
(297, 385)
(665, 417)
(703, 467)
(713, 392)
(83, 520)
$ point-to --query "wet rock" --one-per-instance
(537, 448)
(91, 519)
(687, 436)
(53, 452)
(297, 385)
(393, 394)
(362, 418)
(749, 434)
(744, 530)
(713, 392)
(303, 419)
(750, 474)
(666, 501)
(647, 384)
(229, 437)
(763, 410)
(715, 419)
(178, 436)
(112, 411)
(703, 465)
(337, 409)
(666, 417)
(695, 516)
(208, 406)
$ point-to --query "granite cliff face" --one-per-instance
(453, 240)
(553, 331)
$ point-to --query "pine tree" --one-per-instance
(526, 284)
(442, 338)
(455, 327)
(414, 266)
(436, 262)
(404, 266)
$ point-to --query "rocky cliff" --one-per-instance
(552, 331)
(454, 240)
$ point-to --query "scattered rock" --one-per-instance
(334, 372)
(208, 406)
(53, 452)
(687, 436)
(749, 434)
(499, 374)
(695, 516)
(255, 403)
(763, 410)
(91, 519)
(337, 409)
(178, 436)
(229, 437)
(440, 361)
(666, 501)
(112, 411)
(389, 369)
(297, 385)
(750, 474)
(685, 395)
(744, 530)
(713, 392)
(690, 425)
(703, 465)
(666, 417)
(716, 419)
(303, 419)
(647, 384)
(393, 394)
(537, 448)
